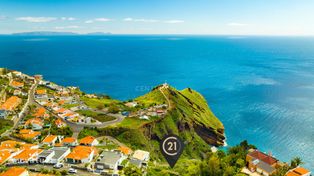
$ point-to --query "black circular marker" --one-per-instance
(171, 147)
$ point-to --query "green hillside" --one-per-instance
(188, 116)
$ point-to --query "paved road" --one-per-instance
(30, 100)
(66, 167)
(77, 127)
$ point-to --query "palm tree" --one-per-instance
(295, 162)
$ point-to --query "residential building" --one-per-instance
(3, 114)
(125, 150)
(60, 124)
(29, 134)
(14, 146)
(69, 142)
(5, 155)
(140, 158)
(299, 171)
(131, 104)
(109, 160)
(45, 156)
(50, 140)
(89, 141)
(34, 123)
(81, 154)
(16, 84)
(41, 112)
(141, 155)
(15, 171)
(41, 93)
(261, 163)
(11, 103)
(26, 156)
(60, 154)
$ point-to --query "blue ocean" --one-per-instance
(262, 88)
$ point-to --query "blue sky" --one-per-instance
(235, 17)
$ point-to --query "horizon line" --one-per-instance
(178, 34)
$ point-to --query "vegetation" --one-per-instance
(65, 131)
(97, 102)
(96, 115)
(221, 163)
(188, 116)
(87, 132)
(5, 125)
(132, 171)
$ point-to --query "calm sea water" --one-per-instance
(262, 88)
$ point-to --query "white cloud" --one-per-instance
(98, 20)
(237, 24)
(141, 20)
(68, 18)
(89, 21)
(66, 27)
(128, 19)
(174, 21)
(151, 20)
(102, 19)
(36, 19)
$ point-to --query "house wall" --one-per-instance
(49, 157)
(54, 161)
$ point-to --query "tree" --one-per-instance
(211, 167)
(295, 162)
(240, 163)
(229, 171)
(281, 171)
(113, 109)
(132, 171)
(100, 106)
(64, 172)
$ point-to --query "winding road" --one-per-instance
(30, 100)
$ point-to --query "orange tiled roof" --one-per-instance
(292, 174)
(59, 122)
(61, 102)
(27, 154)
(29, 134)
(17, 84)
(61, 110)
(41, 91)
(11, 103)
(49, 138)
(81, 152)
(299, 171)
(40, 112)
(4, 156)
(125, 150)
(68, 140)
(87, 140)
(36, 120)
(69, 114)
(11, 145)
(14, 171)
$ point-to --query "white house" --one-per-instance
(60, 154)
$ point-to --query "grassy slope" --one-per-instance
(5, 125)
(189, 109)
(95, 102)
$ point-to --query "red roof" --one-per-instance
(263, 157)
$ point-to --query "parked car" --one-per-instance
(58, 165)
(72, 171)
